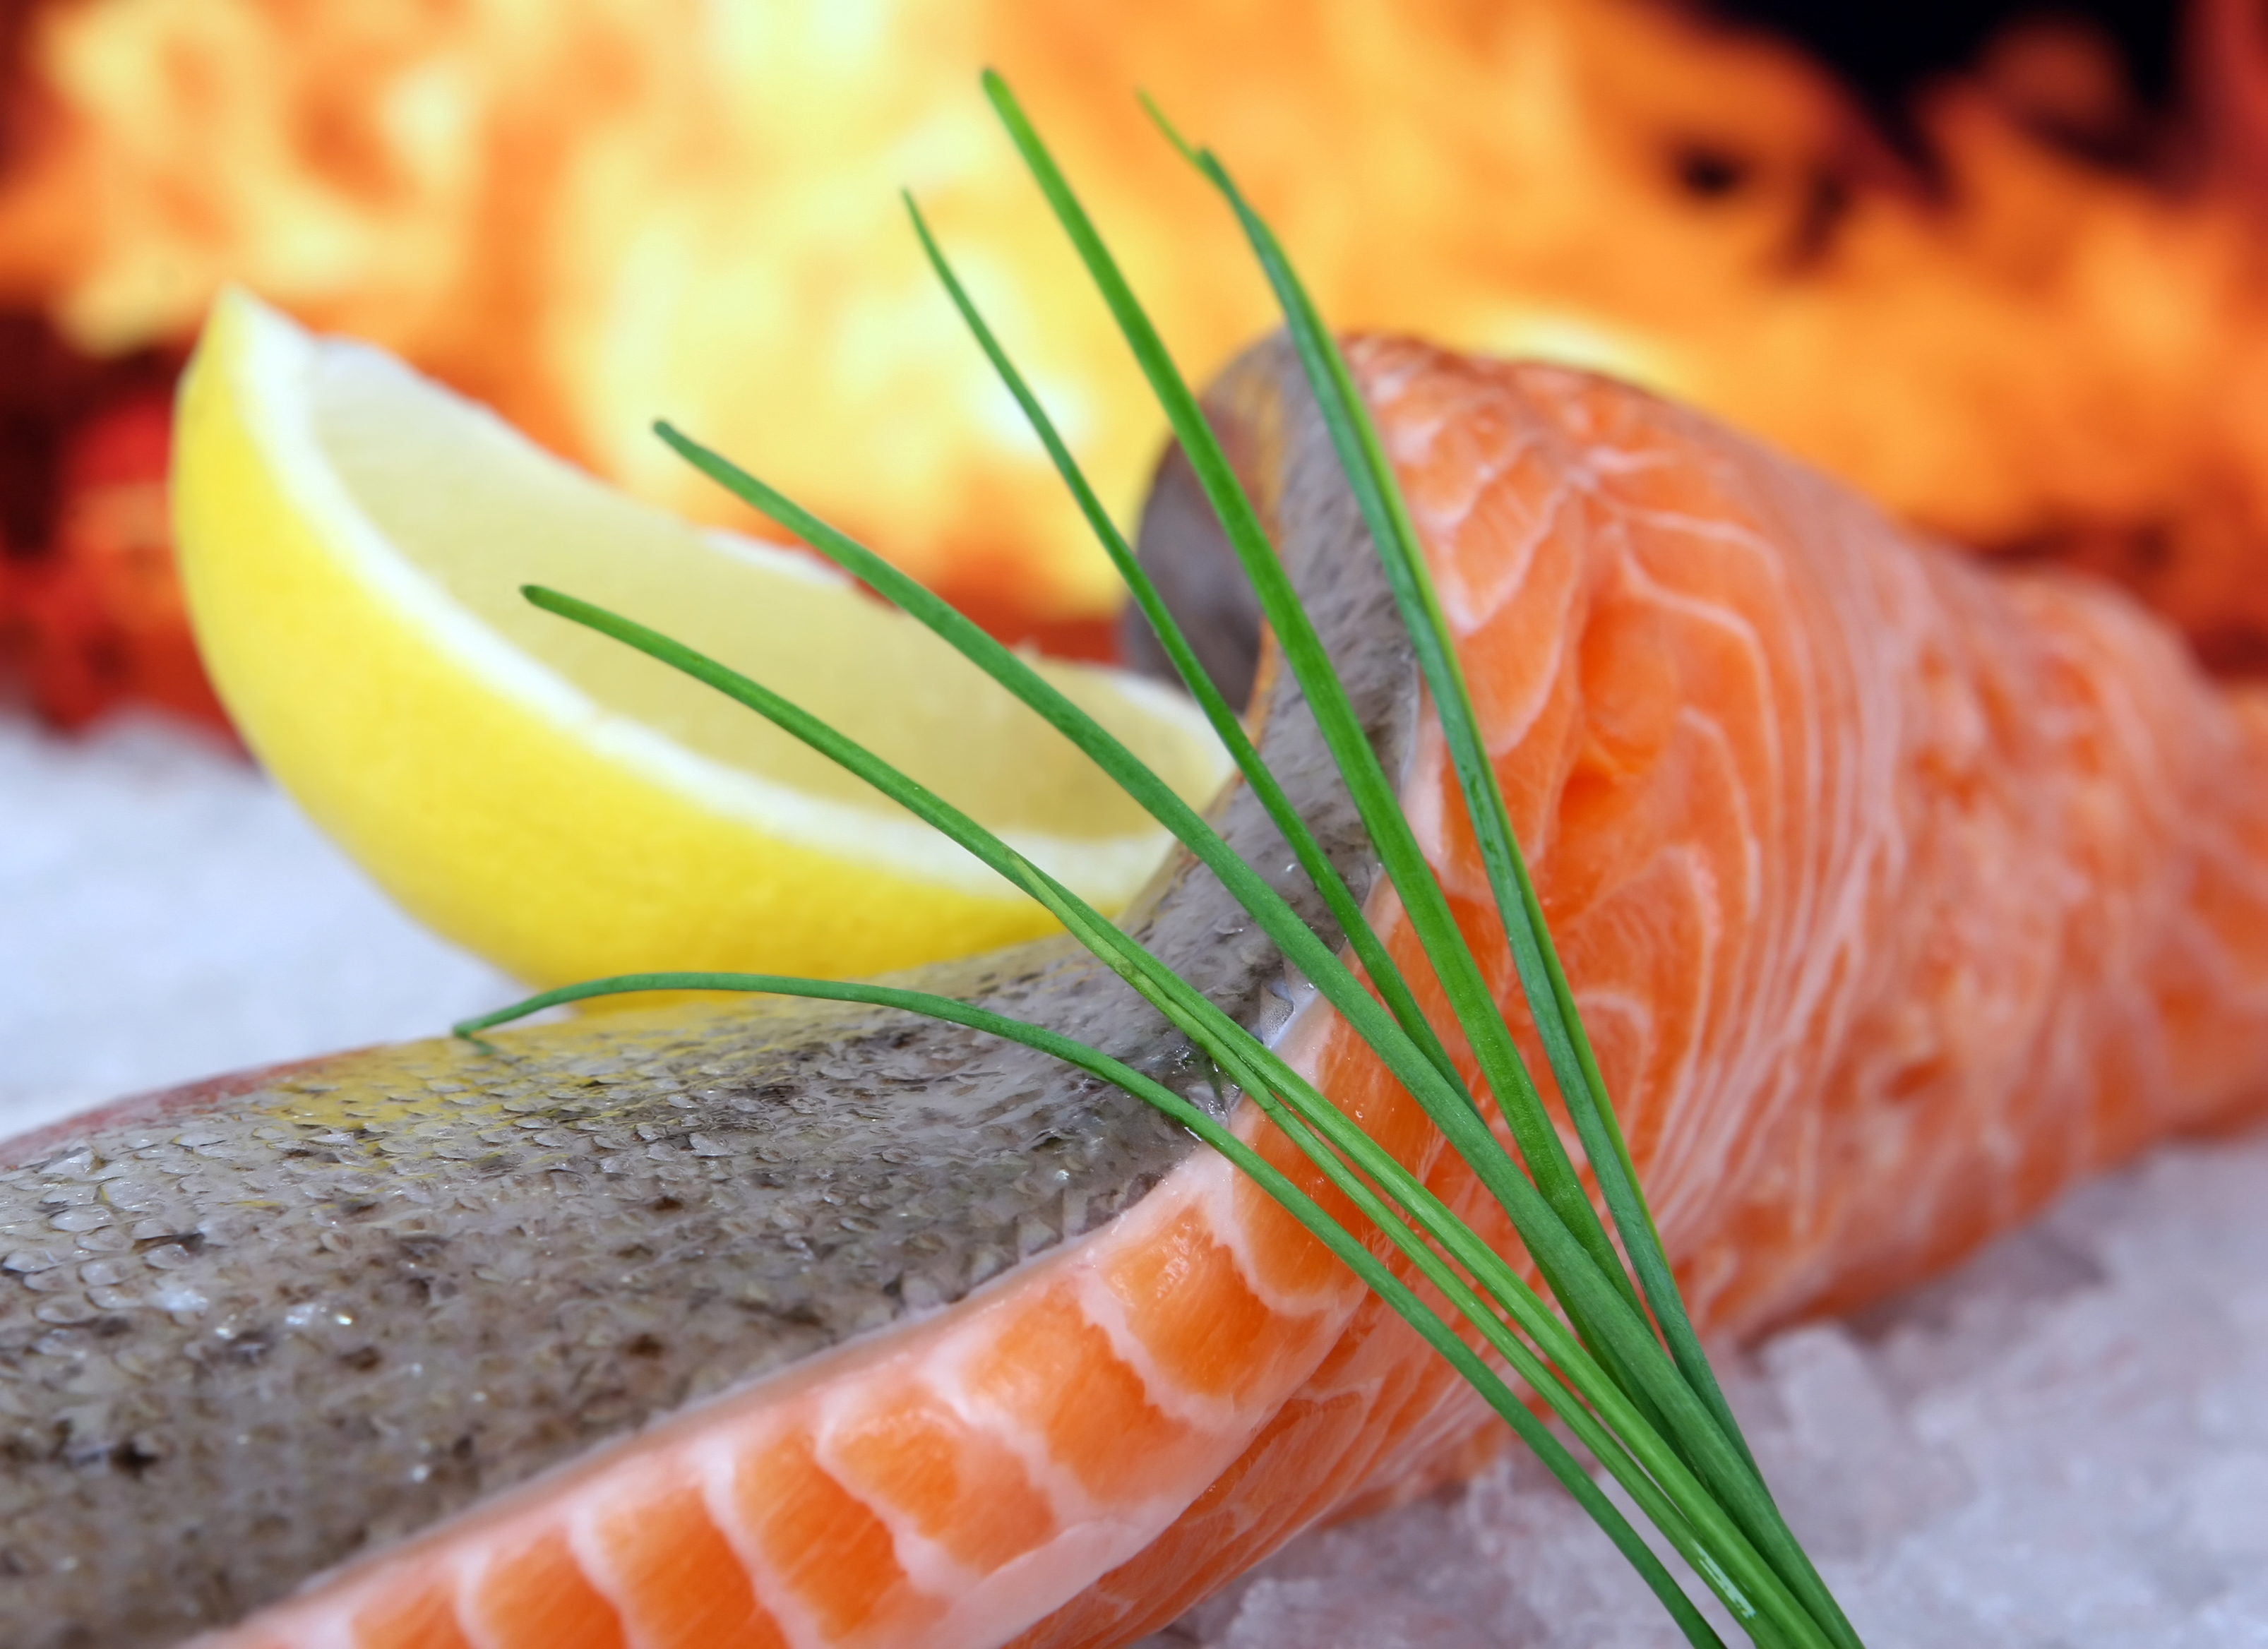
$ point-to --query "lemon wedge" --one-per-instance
(353, 538)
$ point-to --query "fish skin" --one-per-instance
(1896, 895)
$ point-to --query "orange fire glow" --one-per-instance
(596, 212)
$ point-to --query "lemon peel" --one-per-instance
(353, 538)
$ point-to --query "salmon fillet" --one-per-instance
(1896, 893)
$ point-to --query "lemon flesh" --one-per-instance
(353, 540)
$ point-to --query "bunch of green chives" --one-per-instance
(1624, 1373)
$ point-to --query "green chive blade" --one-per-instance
(1651, 1421)
(1575, 1064)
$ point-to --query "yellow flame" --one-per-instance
(596, 212)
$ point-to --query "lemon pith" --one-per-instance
(352, 540)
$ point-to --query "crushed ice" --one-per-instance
(2065, 1444)
(169, 915)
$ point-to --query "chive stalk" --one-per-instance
(1635, 1391)
(1575, 1064)
(1743, 1580)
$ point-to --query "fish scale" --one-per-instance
(1896, 893)
(409, 1279)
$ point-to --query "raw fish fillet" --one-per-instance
(1897, 894)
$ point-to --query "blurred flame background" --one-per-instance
(2023, 303)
